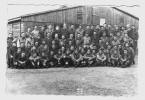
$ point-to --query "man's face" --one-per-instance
(19, 50)
(72, 26)
(88, 27)
(28, 45)
(36, 43)
(92, 27)
(22, 45)
(14, 44)
(72, 48)
(63, 37)
(57, 28)
(71, 35)
(23, 34)
(42, 28)
(23, 54)
(43, 42)
(56, 36)
(64, 26)
(35, 27)
(95, 33)
(10, 35)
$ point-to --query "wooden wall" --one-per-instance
(61, 16)
(90, 15)
(112, 16)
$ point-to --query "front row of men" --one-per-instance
(71, 57)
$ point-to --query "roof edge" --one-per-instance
(126, 13)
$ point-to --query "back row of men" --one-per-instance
(48, 47)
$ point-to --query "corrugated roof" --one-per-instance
(32, 14)
(126, 13)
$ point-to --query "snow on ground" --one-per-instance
(73, 81)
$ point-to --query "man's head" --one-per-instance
(63, 37)
(22, 34)
(57, 27)
(22, 44)
(64, 26)
(88, 51)
(71, 35)
(42, 28)
(14, 44)
(94, 33)
(72, 26)
(18, 50)
(43, 42)
(23, 54)
(36, 43)
(72, 48)
(56, 36)
(28, 29)
(35, 27)
(87, 27)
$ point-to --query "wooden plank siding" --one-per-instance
(90, 15)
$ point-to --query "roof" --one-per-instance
(32, 14)
(126, 13)
(43, 12)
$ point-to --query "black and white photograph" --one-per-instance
(72, 49)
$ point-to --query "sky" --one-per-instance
(45, 5)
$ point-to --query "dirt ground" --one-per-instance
(73, 81)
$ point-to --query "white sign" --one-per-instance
(102, 21)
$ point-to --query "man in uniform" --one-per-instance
(76, 57)
(22, 61)
(101, 58)
(34, 60)
(11, 55)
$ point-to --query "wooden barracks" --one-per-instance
(85, 15)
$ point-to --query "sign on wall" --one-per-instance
(102, 21)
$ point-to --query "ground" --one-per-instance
(73, 81)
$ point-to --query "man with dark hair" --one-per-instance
(80, 31)
(87, 30)
(35, 32)
(57, 31)
(86, 41)
(72, 30)
(34, 60)
(42, 31)
(89, 57)
(115, 58)
(64, 31)
(101, 58)
(43, 60)
(125, 59)
(62, 41)
(22, 61)
(11, 55)
(76, 57)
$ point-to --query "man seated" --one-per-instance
(58, 56)
(76, 57)
(52, 60)
(16, 57)
(89, 57)
(11, 53)
(124, 59)
(22, 61)
(86, 40)
(43, 59)
(101, 58)
(34, 60)
(66, 59)
(115, 58)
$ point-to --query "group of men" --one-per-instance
(69, 46)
